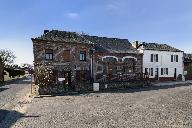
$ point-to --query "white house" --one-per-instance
(161, 61)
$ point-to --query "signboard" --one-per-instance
(185, 72)
(61, 79)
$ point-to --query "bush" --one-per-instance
(44, 75)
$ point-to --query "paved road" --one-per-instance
(159, 107)
(12, 94)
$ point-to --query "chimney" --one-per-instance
(46, 31)
(137, 44)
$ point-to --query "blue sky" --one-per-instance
(164, 21)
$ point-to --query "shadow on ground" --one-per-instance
(8, 118)
(127, 90)
(3, 89)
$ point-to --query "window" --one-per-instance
(82, 55)
(149, 71)
(118, 68)
(174, 58)
(66, 55)
(154, 58)
(82, 75)
(164, 71)
(128, 67)
(99, 68)
(49, 54)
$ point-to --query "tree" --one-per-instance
(26, 66)
(7, 58)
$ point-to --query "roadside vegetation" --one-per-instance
(10, 70)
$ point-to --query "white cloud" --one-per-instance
(72, 15)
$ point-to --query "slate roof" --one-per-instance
(62, 36)
(105, 44)
(159, 47)
(102, 44)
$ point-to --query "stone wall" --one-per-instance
(59, 65)
(73, 65)
(188, 68)
(120, 57)
(1, 71)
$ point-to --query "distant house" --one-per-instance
(188, 66)
(78, 59)
(1, 70)
(161, 61)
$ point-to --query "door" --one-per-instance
(67, 76)
(157, 74)
(175, 73)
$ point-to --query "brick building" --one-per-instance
(77, 60)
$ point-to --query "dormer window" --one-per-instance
(49, 54)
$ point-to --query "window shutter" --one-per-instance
(176, 58)
(66, 55)
(146, 73)
(151, 57)
(161, 71)
(167, 71)
(171, 58)
(156, 57)
(151, 71)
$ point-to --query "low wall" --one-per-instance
(83, 87)
(188, 77)
(120, 85)
(166, 79)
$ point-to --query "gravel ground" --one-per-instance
(154, 108)
(12, 95)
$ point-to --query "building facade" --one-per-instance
(1, 71)
(188, 66)
(72, 61)
(161, 61)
